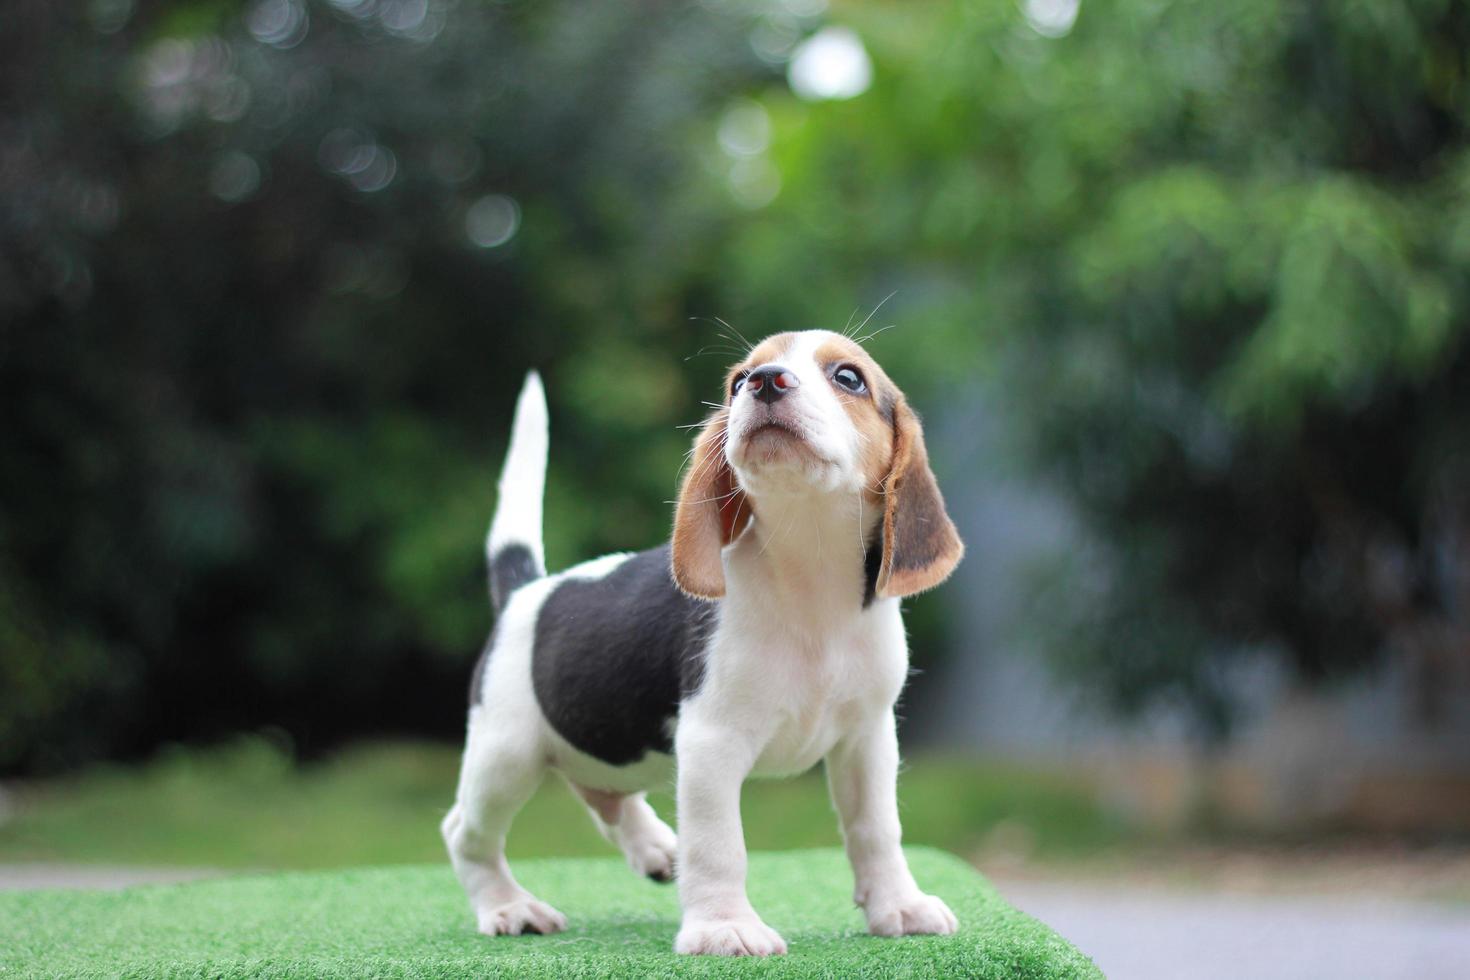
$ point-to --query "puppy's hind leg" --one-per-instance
(629, 822)
(497, 778)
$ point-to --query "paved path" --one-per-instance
(1146, 933)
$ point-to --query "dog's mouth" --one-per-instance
(775, 438)
(776, 427)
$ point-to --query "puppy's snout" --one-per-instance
(770, 382)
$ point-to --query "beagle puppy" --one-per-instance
(765, 637)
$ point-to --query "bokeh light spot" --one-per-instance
(234, 177)
(346, 151)
(745, 129)
(180, 77)
(754, 182)
(279, 23)
(831, 64)
(492, 221)
(773, 37)
(110, 16)
(354, 8)
(1051, 18)
(403, 16)
(227, 99)
(381, 167)
(168, 62)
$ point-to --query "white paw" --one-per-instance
(653, 854)
(919, 914)
(745, 936)
(522, 915)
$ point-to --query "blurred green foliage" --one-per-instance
(1207, 260)
(256, 369)
(248, 805)
(257, 344)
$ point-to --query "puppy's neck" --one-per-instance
(810, 546)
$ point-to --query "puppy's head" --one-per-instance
(812, 413)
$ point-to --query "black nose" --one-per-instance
(770, 382)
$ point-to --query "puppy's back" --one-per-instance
(615, 653)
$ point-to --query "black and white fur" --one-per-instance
(790, 651)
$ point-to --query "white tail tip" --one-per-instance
(523, 479)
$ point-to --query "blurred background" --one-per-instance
(1181, 289)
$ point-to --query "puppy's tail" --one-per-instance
(513, 549)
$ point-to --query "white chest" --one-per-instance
(796, 686)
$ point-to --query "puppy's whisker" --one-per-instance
(711, 500)
(739, 351)
(864, 340)
(817, 527)
(717, 452)
(735, 347)
(714, 349)
(789, 523)
(870, 316)
(748, 345)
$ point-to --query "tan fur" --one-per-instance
(710, 514)
(876, 431)
(711, 511)
(920, 544)
(608, 806)
(768, 350)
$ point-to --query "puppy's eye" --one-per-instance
(847, 377)
(738, 383)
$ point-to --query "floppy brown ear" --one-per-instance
(712, 511)
(920, 544)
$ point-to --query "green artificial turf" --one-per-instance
(413, 921)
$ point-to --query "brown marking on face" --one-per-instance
(769, 443)
(871, 413)
(919, 543)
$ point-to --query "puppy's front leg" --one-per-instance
(718, 917)
(862, 773)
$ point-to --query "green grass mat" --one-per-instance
(413, 921)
